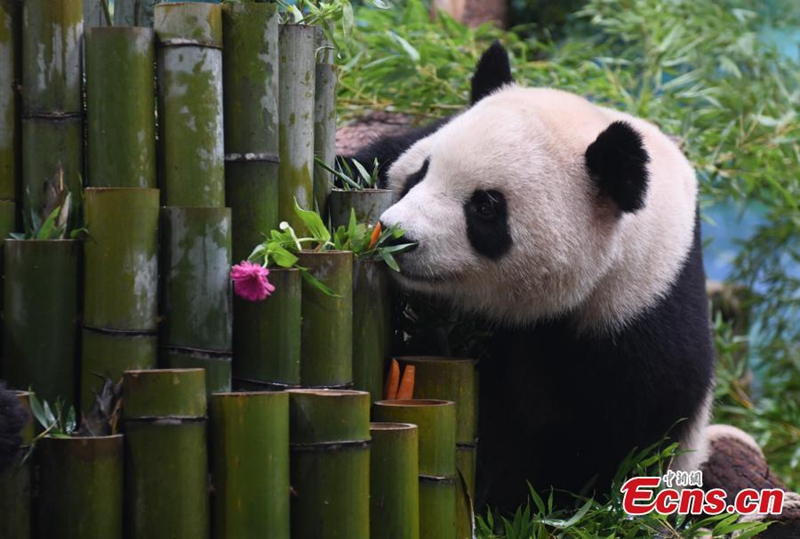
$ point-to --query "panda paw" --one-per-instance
(12, 418)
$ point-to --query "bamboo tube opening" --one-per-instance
(156, 372)
(415, 402)
(237, 394)
(377, 425)
(326, 392)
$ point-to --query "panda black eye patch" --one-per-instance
(415, 178)
(486, 213)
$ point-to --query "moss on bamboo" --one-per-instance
(10, 23)
(371, 325)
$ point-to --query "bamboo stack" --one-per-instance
(296, 121)
(166, 458)
(394, 481)
(16, 507)
(250, 465)
(456, 380)
(326, 79)
(436, 420)
(52, 121)
(80, 490)
(371, 325)
(10, 23)
(196, 241)
(121, 284)
(329, 432)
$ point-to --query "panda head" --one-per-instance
(529, 204)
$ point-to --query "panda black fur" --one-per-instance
(573, 231)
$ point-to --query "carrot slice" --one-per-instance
(406, 390)
(375, 235)
(392, 381)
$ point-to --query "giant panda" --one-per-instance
(571, 230)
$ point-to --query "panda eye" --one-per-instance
(486, 209)
(485, 204)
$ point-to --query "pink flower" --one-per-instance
(250, 281)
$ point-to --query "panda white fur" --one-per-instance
(572, 230)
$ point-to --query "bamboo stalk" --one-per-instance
(134, 12)
(80, 493)
(51, 145)
(217, 366)
(296, 121)
(436, 420)
(326, 77)
(10, 23)
(196, 284)
(96, 13)
(8, 218)
(250, 62)
(326, 356)
(110, 354)
(266, 335)
(15, 486)
(394, 481)
(329, 432)
(166, 457)
(40, 306)
(120, 107)
(369, 204)
(371, 326)
(250, 465)
(121, 270)
(192, 156)
(51, 56)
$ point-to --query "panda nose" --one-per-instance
(400, 241)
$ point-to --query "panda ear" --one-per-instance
(617, 162)
(493, 72)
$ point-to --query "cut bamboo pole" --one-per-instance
(371, 325)
(326, 356)
(40, 306)
(196, 284)
(324, 131)
(250, 465)
(10, 23)
(250, 68)
(454, 379)
(80, 491)
(368, 204)
(436, 420)
(329, 432)
(266, 335)
(296, 121)
(51, 57)
(192, 156)
(15, 486)
(121, 269)
(134, 12)
(216, 365)
(97, 13)
(120, 107)
(166, 457)
(8, 218)
(394, 481)
(51, 145)
(109, 354)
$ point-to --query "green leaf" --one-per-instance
(314, 223)
(310, 279)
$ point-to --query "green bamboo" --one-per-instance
(394, 481)
(10, 22)
(250, 62)
(51, 146)
(8, 218)
(326, 356)
(217, 366)
(109, 354)
(436, 420)
(371, 325)
(250, 465)
(465, 495)
(121, 269)
(329, 432)
(266, 335)
(51, 56)
(15, 486)
(192, 156)
(368, 204)
(166, 457)
(296, 121)
(134, 12)
(196, 284)
(324, 131)
(40, 306)
(120, 107)
(80, 491)
(96, 13)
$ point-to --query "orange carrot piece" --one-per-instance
(375, 235)
(392, 381)
(406, 390)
